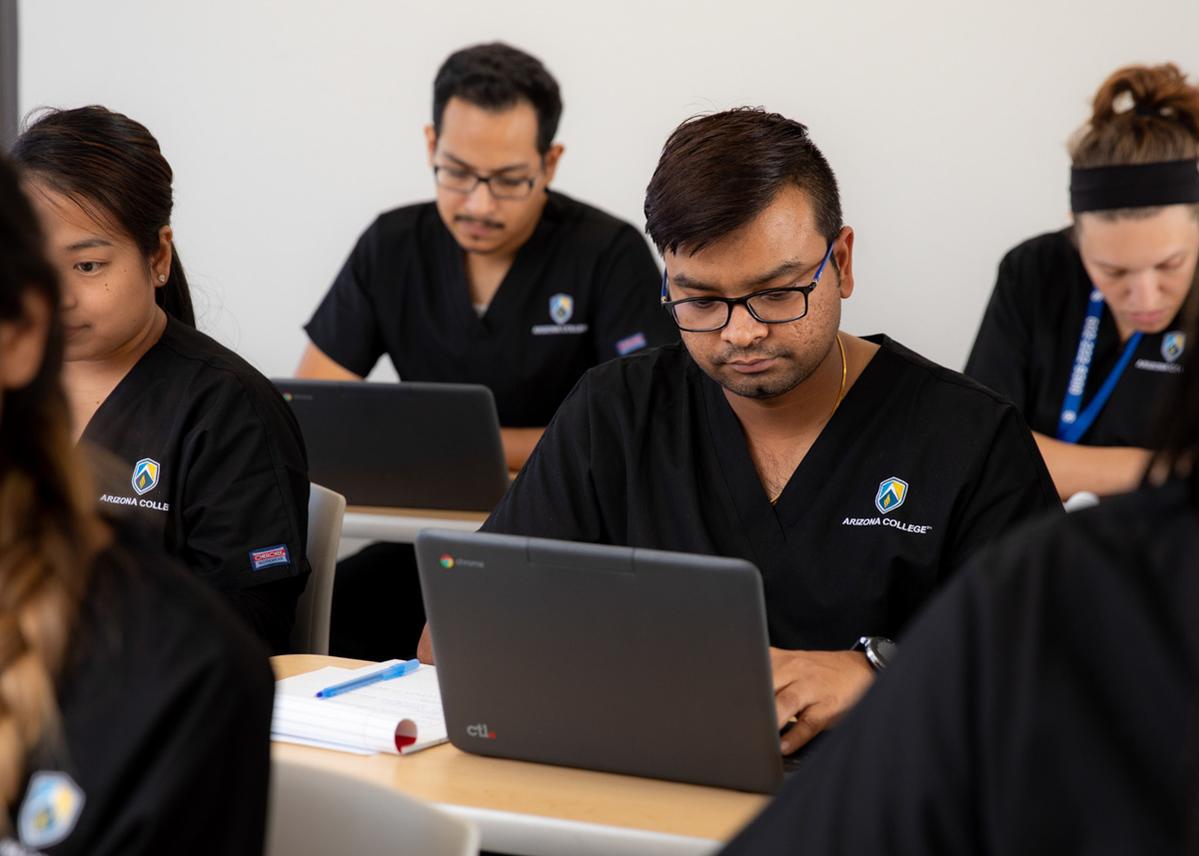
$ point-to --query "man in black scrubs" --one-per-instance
(499, 281)
(855, 474)
(1044, 703)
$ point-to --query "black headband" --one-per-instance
(1143, 185)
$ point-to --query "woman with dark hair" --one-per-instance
(134, 712)
(1083, 332)
(1047, 700)
(213, 460)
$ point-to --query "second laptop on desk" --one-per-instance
(608, 658)
(403, 445)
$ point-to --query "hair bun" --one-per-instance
(1139, 92)
(1141, 114)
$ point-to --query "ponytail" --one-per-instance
(174, 296)
(46, 545)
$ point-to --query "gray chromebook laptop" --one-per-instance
(609, 658)
(406, 445)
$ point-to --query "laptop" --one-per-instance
(403, 445)
(609, 658)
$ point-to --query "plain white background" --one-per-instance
(290, 125)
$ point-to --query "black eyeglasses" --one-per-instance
(501, 186)
(772, 306)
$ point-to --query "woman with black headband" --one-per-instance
(1084, 329)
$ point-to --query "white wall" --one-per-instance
(291, 124)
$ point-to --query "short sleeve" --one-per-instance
(244, 515)
(1001, 356)
(1012, 485)
(554, 496)
(629, 313)
(345, 325)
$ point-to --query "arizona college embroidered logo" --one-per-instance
(145, 476)
(1173, 344)
(51, 807)
(562, 307)
(891, 494)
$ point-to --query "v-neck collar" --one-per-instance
(135, 377)
(766, 523)
(507, 301)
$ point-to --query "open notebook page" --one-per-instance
(401, 715)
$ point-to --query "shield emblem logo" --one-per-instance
(51, 807)
(562, 307)
(1173, 344)
(891, 494)
(145, 475)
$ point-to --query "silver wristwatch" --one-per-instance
(879, 651)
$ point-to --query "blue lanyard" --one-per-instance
(1072, 424)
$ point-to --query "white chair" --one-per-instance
(325, 512)
(318, 812)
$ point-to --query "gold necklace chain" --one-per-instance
(844, 374)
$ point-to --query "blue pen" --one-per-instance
(399, 670)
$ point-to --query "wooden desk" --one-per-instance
(541, 810)
(402, 524)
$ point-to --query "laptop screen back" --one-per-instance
(405, 445)
(609, 658)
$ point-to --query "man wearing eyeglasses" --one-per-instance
(498, 281)
(855, 474)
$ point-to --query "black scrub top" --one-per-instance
(1028, 339)
(165, 704)
(1045, 702)
(917, 468)
(583, 289)
(216, 467)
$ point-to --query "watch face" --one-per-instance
(884, 650)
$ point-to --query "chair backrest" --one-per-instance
(325, 512)
(316, 811)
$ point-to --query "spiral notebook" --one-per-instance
(399, 716)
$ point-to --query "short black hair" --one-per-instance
(719, 171)
(497, 76)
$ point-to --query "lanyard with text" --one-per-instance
(1073, 424)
